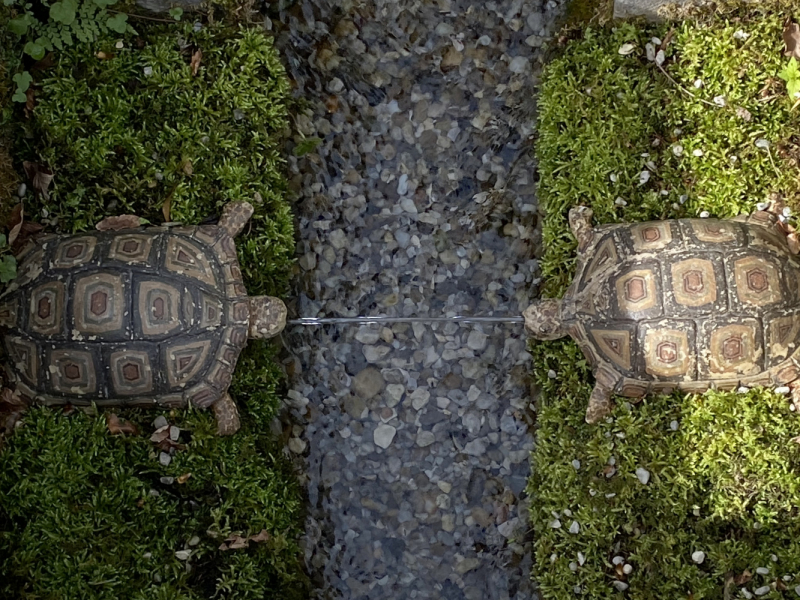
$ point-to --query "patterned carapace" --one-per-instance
(687, 304)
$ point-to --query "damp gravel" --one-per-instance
(417, 199)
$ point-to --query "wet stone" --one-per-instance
(415, 433)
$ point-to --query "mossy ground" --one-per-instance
(724, 467)
(83, 513)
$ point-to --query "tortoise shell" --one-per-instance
(133, 317)
(691, 304)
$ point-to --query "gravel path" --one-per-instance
(419, 200)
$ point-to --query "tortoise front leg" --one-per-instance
(599, 404)
(580, 221)
(227, 415)
(794, 391)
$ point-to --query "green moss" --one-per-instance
(137, 131)
(726, 481)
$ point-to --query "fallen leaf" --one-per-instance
(262, 536)
(791, 39)
(115, 425)
(27, 230)
(15, 218)
(196, 58)
(744, 577)
(45, 63)
(166, 208)
(186, 167)
(104, 55)
(30, 100)
(41, 177)
(184, 478)
(119, 223)
(744, 114)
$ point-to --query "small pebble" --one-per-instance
(643, 475)
(762, 571)
(627, 569)
(575, 527)
(674, 425)
(617, 560)
(743, 389)
(551, 374)
(783, 389)
(164, 459)
(698, 556)
(697, 152)
(576, 464)
(762, 591)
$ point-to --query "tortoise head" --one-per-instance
(267, 317)
(543, 320)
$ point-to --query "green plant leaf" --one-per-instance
(64, 11)
(20, 24)
(176, 13)
(34, 50)
(19, 97)
(3, 240)
(118, 23)
(307, 145)
(104, 3)
(790, 71)
(23, 81)
(8, 268)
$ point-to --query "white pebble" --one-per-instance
(643, 475)
(677, 150)
(183, 554)
(741, 35)
(660, 57)
(650, 52)
(762, 143)
(773, 557)
(762, 571)
(743, 389)
(644, 177)
(553, 557)
(620, 585)
(705, 214)
(576, 464)
(656, 41)
(746, 593)
(697, 152)
(787, 212)
(556, 524)
(617, 560)
(762, 591)
(551, 374)
(613, 177)
(784, 389)
(683, 198)
(719, 100)
(573, 566)
(698, 556)
(698, 83)
(674, 425)
(797, 590)
(762, 206)
(620, 202)
(575, 527)
(581, 558)
(627, 569)
(148, 71)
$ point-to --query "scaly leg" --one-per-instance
(227, 415)
(580, 221)
(599, 404)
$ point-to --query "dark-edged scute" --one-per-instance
(134, 317)
(688, 304)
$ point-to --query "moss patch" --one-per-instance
(723, 468)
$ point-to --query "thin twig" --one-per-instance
(119, 12)
(684, 90)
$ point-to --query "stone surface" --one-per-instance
(641, 8)
(418, 434)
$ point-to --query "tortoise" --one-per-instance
(687, 304)
(134, 316)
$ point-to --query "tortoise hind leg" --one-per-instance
(580, 221)
(227, 415)
(599, 404)
(235, 216)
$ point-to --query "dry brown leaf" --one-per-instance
(196, 58)
(30, 100)
(744, 577)
(791, 39)
(116, 425)
(184, 478)
(262, 536)
(160, 435)
(104, 55)
(41, 177)
(794, 243)
(186, 167)
(119, 223)
(744, 114)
